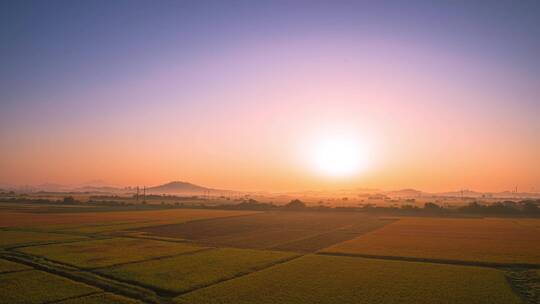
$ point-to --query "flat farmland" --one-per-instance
(326, 239)
(185, 272)
(101, 298)
(472, 240)
(37, 287)
(272, 229)
(110, 227)
(331, 279)
(8, 266)
(12, 237)
(81, 219)
(107, 252)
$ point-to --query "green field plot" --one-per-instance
(101, 253)
(189, 271)
(271, 229)
(101, 298)
(36, 287)
(8, 266)
(330, 279)
(504, 241)
(11, 238)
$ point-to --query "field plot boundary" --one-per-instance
(128, 288)
(25, 245)
(22, 229)
(203, 249)
(168, 293)
(192, 248)
(273, 235)
(342, 229)
(193, 221)
(77, 229)
(433, 260)
(130, 235)
(75, 297)
(316, 234)
(76, 238)
(83, 276)
(179, 299)
(95, 294)
(284, 261)
(13, 271)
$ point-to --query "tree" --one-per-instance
(295, 204)
(69, 200)
(530, 207)
(431, 206)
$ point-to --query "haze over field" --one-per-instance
(276, 96)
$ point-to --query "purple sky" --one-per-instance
(195, 89)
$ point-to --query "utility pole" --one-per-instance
(137, 195)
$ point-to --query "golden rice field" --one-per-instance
(37, 287)
(107, 252)
(475, 240)
(184, 272)
(330, 279)
(264, 257)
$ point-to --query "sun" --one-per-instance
(339, 156)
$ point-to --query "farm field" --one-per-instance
(109, 227)
(102, 298)
(8, 266)
(473, 240)
(261, 257)
(273, 229)
(34, 286)
(80, 219)
(10, 238)
(185, 272)
(107, 252)
(330, 279)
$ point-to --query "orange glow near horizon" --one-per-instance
(312, 102)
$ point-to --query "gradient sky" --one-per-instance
(231, 94)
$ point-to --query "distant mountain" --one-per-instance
(180, 187)
(51, 187)
(98, 186)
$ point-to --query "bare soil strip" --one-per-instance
(430, 260)
(75, 297)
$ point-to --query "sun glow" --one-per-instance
(339, 156)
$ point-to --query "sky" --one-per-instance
(245, 94)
